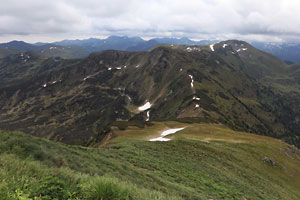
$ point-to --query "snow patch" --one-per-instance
(190, 49)
(109, 68)
(224, 46)
(196, 98)
(86, 78)
(52, 48)
(197, 106)
(148, 115)
(45, 85)
(119, 68)
(242, 49)
(212, 47)
(137, 66)
(165, 133)
(171, 131)
(192, 82)
(161, 139)
(146, 106)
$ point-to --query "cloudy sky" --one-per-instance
(43, 20)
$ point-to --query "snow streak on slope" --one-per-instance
(146, 106)
(165, 133)
(212, 47)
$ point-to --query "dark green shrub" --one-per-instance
(107, 189)
(52, 188)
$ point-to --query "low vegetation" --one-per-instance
(203, 161)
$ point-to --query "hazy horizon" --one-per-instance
(48, 21)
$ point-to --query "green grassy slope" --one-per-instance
(31, 168)
(203, 161)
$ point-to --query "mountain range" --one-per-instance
(75, 101)
(212, 121)
(82, 48)
(288, 52)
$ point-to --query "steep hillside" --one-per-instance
(202, 161)
(6, 52)
(75, 101)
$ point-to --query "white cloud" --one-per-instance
(269, 19)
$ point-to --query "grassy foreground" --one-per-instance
(203, 161)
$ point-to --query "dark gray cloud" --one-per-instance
(58, 19)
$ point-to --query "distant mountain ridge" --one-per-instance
(126, 43)
(288, 52)
(44, 49)
(82, 48)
